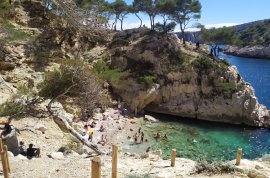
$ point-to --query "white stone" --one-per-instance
(150, 118)
(57, 155)
(21, 157)
(40, 127)
(10, 154)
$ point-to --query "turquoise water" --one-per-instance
(218, 141)
(215, 141)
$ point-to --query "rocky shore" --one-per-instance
(249, 52)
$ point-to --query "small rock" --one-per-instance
(10, 154)
(150, 118)
(40, 127)
(57, 155)
(145, 155)
(157, 152)
(21, 157)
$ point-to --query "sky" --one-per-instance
(218, 13)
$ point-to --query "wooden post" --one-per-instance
(114, 161)
(173, 157)
(6, 155)
(238, 156)
(96, 164)
(4, 160)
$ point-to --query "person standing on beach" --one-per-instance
(142, 137)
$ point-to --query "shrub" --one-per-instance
(112, 75)
(216, 167)
(13, 33)
(203, 64)
(65, 150)
(226, 87)
(147, 80)
(6, 66)
(74, 79)
(10, 108)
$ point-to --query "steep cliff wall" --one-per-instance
(185, 85)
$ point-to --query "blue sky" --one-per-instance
(216, 13)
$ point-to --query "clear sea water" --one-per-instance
(218, 141)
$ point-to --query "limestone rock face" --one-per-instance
(195, 101)
(219, 95)
(254, 51)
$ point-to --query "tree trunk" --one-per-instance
(121, 21)
(139, 19)
(182, 32)
(151, 22)
(183, 36)
(115, 24)
(62, 118)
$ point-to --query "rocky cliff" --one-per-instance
(184, 84)
(254, 51)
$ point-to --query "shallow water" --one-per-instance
(217, 141)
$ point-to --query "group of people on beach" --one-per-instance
(29, 152)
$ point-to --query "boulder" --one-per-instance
(57, 155)
(11, 141)
(21, 157)
(150, 118)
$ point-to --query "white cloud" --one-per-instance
(130, 25)
(218, 25)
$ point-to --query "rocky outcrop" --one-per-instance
(216, 94)
(254, 51)
(195, 101)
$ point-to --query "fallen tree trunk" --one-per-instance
(71, 130)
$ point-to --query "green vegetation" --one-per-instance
(256, 34)
(147, 80)
(6, 9)
(74, 79)
(216, 36)
(205, 65)
(216, 167)
(14, 106)
(181, 12)
(226, 87)
(112, 75)
(165, 28)
(10, 108)
(11, 32)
